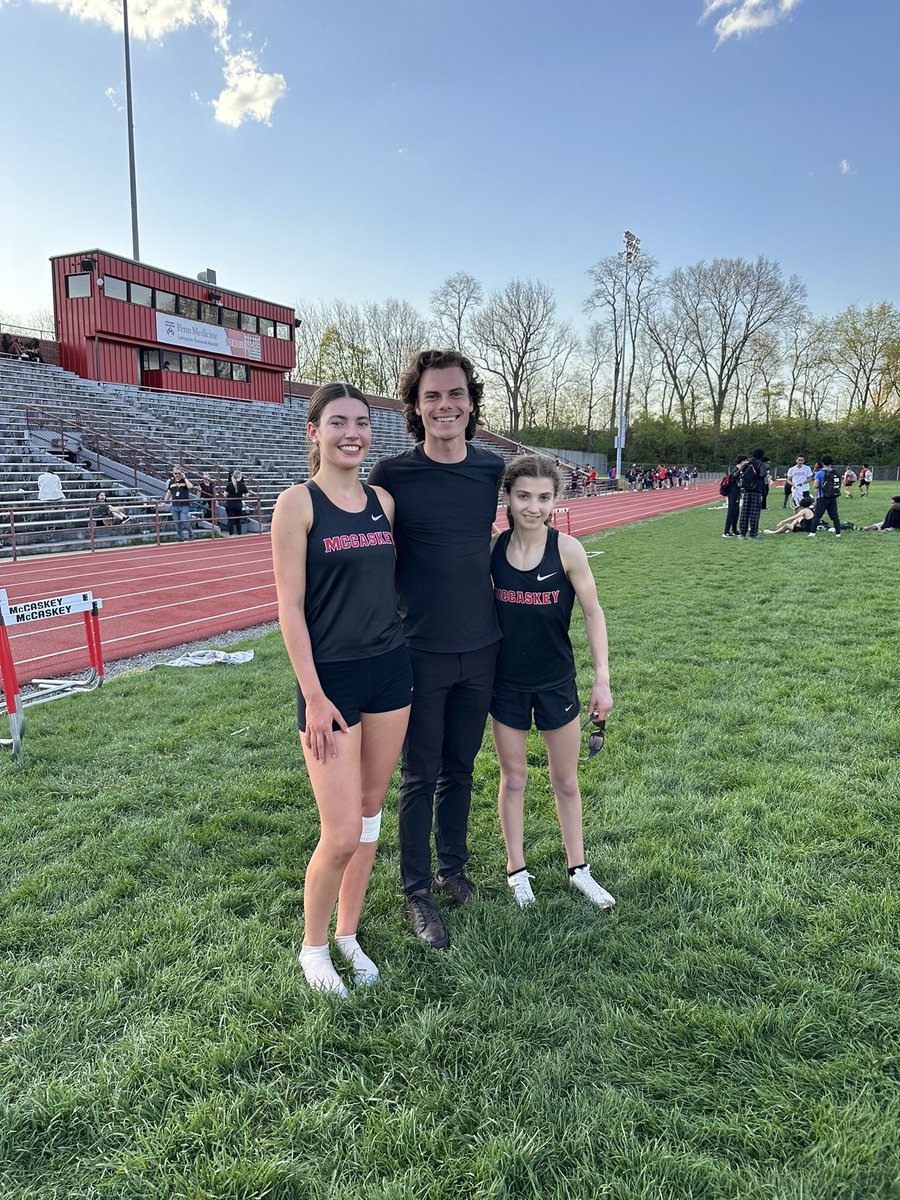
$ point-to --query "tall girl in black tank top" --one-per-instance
(332, 549)
(538, 573)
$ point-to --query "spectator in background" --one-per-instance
(235, 491)
(178, 492)
(865, 478)
(848, 481)
(49, 487)
(798, 478)
(828, 484)
(733, 497)
(104, 512)
(753, 494)
(891, 520)
(207, 492)
(800, 521)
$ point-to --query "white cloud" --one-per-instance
(113, 97)
(249, 93)
(747, 16)
(845, 168)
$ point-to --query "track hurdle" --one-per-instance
(47, 689)
(562, 512)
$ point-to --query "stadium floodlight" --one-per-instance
(136, 250)
(629, 254)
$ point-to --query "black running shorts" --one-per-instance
(363, 685)
(552, 709)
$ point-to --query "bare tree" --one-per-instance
(515, 338)
(670, 333)
(394, 332)
(861, 342)
(453, 305)
(607, 302)
(722, 305)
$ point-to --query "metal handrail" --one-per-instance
(154, 513)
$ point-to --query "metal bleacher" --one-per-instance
(123, 439)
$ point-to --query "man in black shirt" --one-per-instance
(445, 493)
(891, 520)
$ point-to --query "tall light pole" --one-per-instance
(630, 253)
(130, 114)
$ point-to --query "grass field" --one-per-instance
(730, 1030)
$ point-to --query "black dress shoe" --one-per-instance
(425, 922)
(459, 888)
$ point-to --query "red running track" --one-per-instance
(155, 597)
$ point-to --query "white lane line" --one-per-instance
(96, 581)
(108, 618)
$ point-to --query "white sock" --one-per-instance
(364, 970)
(319, 970)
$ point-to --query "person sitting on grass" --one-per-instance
(799, 521)
(891, 520)
(538, 573)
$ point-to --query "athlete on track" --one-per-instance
(333, 553)
(538, 573)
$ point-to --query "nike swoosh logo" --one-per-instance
(378, 518)
(541, 579)
(568, 706)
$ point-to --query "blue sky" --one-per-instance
(361, 150)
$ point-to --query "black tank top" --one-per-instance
(351, 599)
(534, 609)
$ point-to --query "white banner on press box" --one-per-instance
(207, 339)
(40, 610)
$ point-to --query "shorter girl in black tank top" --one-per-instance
(333, 553)
(538, 573)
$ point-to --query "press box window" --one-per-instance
(188, 308)
(207, 366)
(141, 295)
(78, 286)
(283, 332)
(249, 324)
(116, 289)
(229, 318)
(189, 364)
(266, 326)
(165, 301)
(150, 360)
(239, 372)
(209, 313)
(223, 368)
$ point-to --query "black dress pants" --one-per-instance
(826, 504)
(451, 697)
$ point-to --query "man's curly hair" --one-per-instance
(424, 361)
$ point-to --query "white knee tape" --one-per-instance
(371, 827)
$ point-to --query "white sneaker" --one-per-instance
(584, 882)
(521, 887)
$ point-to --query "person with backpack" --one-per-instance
(753, 492)
(730, 488)
(828, 485)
